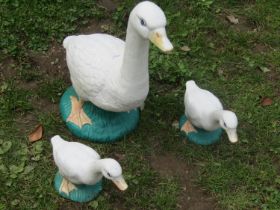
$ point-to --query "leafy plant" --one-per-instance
(205, 3)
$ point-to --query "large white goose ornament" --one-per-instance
(110, 73)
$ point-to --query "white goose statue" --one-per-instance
(110, 73)
(204, 110)
(79, 164)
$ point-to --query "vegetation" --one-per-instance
(240, 63)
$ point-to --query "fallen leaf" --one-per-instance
(36, 134)
(185, 48)
(232, 19)
(264, 69)
(266, 101)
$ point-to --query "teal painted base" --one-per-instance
(106, 127)
(83, 193)
(201, 137)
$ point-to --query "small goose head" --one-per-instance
(229, 123)
(149, 21)
(112, 170)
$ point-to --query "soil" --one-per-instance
(52, 64)
(260, 48)
(242, 26)
(192, 197)
(109, 5)
(273, 77)
(69, 205)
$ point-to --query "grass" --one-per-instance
(224, 58)
(32, 25)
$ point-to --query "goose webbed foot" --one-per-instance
(66, 186)
(77, 115)
(188, 127)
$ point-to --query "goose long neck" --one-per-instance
(135, 60)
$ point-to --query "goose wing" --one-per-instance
(73, 160)
(90, 59)
(199, 105)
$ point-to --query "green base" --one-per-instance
(202, 136)
(83, 193)
(106, 127)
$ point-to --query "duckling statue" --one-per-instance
(110, 77)
(205, 117)
(80, 170)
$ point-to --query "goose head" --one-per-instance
(112, 170)
(149, 22)
(229, 122)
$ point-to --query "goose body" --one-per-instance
(111, 73)
(200, 105)
(204, 110)
(80, 164)
(93, 62)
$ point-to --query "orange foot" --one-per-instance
(188, 127)
(66, 186)
(77, 115)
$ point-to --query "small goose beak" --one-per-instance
(159, 38)
(120, 183)
(232, 135)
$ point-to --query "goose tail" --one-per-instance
(66, 41)
(191, 86)
(57, 141)
(190, 83)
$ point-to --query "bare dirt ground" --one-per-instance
(192, 197)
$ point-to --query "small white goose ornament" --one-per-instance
(111, 73)
(80, 164)
(204, 110)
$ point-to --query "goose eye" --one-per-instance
(143, 22)
(108, 174)
(225, 124)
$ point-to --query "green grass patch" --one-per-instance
(52, 89)
(14, 99)
(31, 25)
